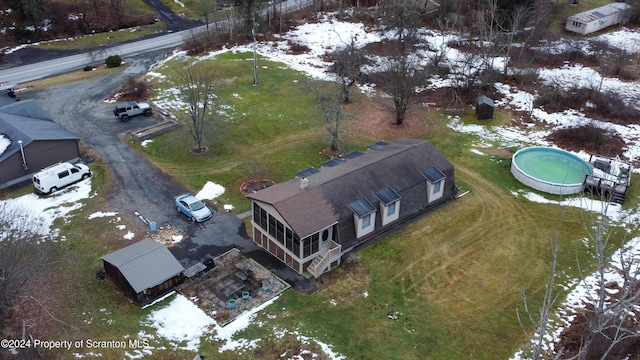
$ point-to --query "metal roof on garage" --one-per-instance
(145, 264)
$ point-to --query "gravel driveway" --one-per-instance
(139, 189)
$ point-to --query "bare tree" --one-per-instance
(607, 327)
(249, 11)
(207, 7)
(401, 78)
(330, 103)
(196, 83)
(608, 320)
(402, 72)
(23, 254)
(515, 22)
(347, 64)
(400, 16)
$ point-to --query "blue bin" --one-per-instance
(152, 225)
(232, 303)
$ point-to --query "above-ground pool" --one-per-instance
(550, 170)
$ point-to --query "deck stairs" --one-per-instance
(322, 262)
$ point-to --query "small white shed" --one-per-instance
(598, 18)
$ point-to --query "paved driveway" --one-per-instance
(139, 190)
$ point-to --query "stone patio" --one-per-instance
(236, 284)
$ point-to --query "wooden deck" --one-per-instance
(611, 178)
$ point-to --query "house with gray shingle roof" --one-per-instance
(30, 140)
(144, 271)
(309, 222)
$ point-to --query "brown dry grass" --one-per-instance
(372, 120)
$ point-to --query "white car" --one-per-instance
(57, 176)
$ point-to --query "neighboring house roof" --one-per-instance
(398, 165)
(27, 121)
(145, 264)
(599, 13)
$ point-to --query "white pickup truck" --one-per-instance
(127, 110)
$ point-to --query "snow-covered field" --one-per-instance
(178, 320)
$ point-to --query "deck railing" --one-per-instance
(321, 263)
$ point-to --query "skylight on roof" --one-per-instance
(353, 155)
(378, 145)
(307, 172)
(332, 162)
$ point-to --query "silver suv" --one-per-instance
(124, 111)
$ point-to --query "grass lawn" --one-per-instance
(102, 39)
(73, 76)
(446, 286)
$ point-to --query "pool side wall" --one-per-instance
(545, 186)
(541, 185)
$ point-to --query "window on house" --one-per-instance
(366, 221)
(263, 219)
(389, 203)
(289, 240)
(256, 214)
(436, 187)
(280, 232)
(311, 245)
(435, 178)
(296, 245)
(364, 216)
(272, 226)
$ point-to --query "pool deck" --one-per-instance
(611, 177)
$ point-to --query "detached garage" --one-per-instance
(30, 140)
(144, 271)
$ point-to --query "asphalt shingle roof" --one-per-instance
(398, 164)
(27, 121)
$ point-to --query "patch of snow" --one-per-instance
(210, 191)
(181, 322)
(100, 214)
(41, 212)
(4, 143)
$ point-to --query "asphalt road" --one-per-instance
(22, 67)
(140, 191)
